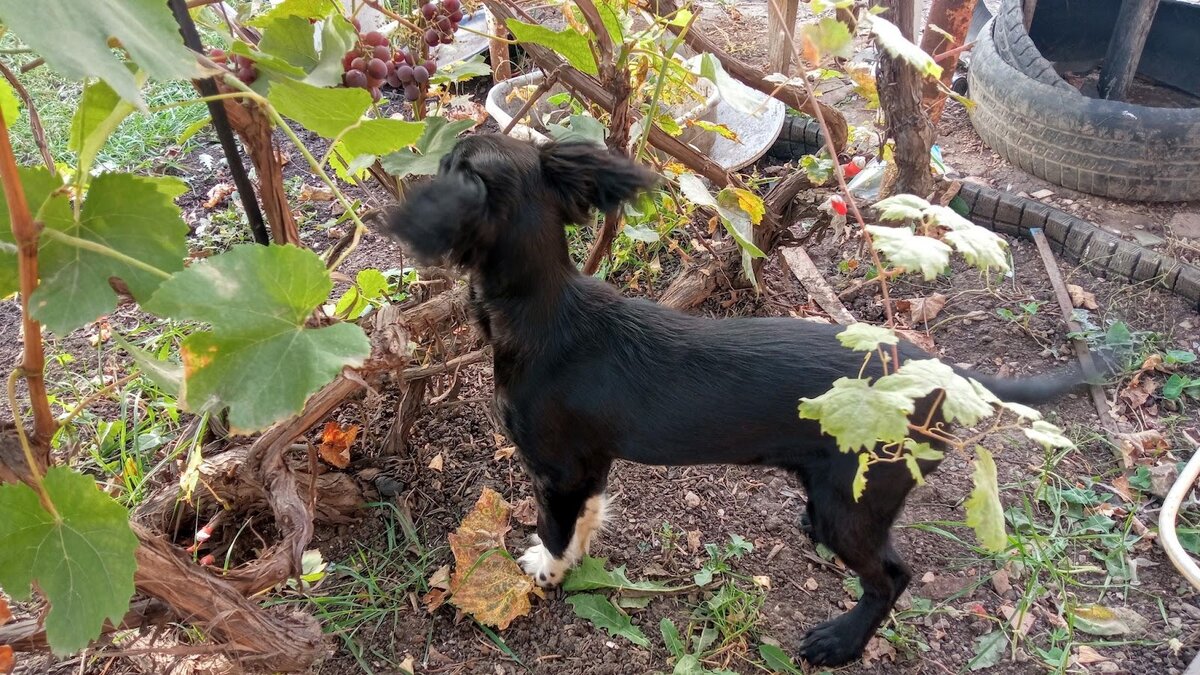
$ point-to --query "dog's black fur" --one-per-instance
(585, 376)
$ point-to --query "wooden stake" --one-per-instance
(1125, 47)
(781, 22)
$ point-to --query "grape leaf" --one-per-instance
(590, 575)
(38, 184)
(438, 139)
(733, 217)
(1048, 435)
(83, 562)
(305, 9)
(10, 105)
(603, 614)
(567, 43)
(487, 583)
(73, 37)
(461, 70)
(290, 38)
(584, 128)
(989, 649)
(831, 38)
(863, 77)
(747, 201)
(818, 169)
(890, 39)
(325, 112)
(99, 114)
(380, 137)
(984, 512)
(338, 36)
(863, 337)
(133, 215)
(860, 475)
(259, 359)
(961, 403)
(982, 248)
(858, 415)
(912, 252)
(901, 207)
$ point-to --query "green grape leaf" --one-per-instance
(10, 105)
(601, 612)
(369, 284)
(889, 38)
(325, 112)
(901, 207)
(912, 252)
(985, 513)
(591, 575)
(337, 37)
(381, 137)
(568, 43)
(818, 169)
(583, 128)
(863, 337)
(858, 415)
(99, 114)
(982, 248)
(961, 403)
(290, 38)
(1047, 434)
(461, 70)
(438, 139)
(133, 215)
(166, 374)
(305, 9)
(83, 561)
(735, 219)
(38, 185)
(259, 359)
(831, 37)
(859, 486)
(1022, 411)
(740, 97)
(267, 64)
(72, 35)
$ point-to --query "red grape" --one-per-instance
(451, 5)
(420, 74)
(456, 17)
(405, 73)
(359, 63)
(376, 94)
(411, 92)
(428, 10)
(432, 37)
(430, 66)
(382, 52)
(357, 24)
(447, 39)
(394, 81)
(348, 60)
(377, 69)
(247, 74)
(443, 24)
(356, 78)
(374, 38)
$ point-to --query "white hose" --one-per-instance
(1166, 522)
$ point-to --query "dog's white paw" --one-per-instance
(546, 570)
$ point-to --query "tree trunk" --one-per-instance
(899, 87)
(954, 17)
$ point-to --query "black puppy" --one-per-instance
(584, 376)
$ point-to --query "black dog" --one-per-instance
(584, 376)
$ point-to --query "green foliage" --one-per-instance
(133, 215)
(918, 378)
(889, 38)
(437, 139)
(99, 113)
(732, 92)
(831, 37)
(858, 415)
(989, 650)
(73, 37)
(461, 70)
(38, 185)
(259, 359)
(864, 337)
(736, 211)
(984, 512)
(591, 575)
(10, 105)
(81, 558)
(777, 659)
(604, 614)
(338, 114)
(818, 168)
(569, 43)
(912, 252)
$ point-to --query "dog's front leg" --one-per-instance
(567, 522)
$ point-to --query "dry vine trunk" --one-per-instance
(900, 90)
(254, 128)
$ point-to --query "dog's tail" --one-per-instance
(1036, 389)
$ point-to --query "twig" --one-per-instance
(806, 272)
(33, 362)
(467, 359)
(953, 52)
(32, 64)
(35, 120)
(547, 82)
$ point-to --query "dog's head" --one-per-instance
(497, 195)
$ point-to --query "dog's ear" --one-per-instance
(587, 175)
(443, 220)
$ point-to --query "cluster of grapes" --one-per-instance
(241, 66)
(369, 64)
(409, 75)
(441, 20)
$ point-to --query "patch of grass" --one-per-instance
(362, 598)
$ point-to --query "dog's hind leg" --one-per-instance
(568, 521)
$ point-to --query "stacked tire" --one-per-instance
(1026, 113)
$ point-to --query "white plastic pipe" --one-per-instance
(1166, 521)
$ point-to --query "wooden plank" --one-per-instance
(1081, 349)
(953, 17)
(1029, 7)
(1125, 47)
(796, 259)
(781, 24)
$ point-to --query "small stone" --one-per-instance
(1147, 238)
(691, 499)
(388, 487)
(1162, 477)
(1185, 225)
(1042, 194)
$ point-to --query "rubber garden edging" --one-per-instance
(1080, 241)
(801, 135)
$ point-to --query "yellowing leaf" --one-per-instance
(916, 378)
(864, 84)
(858, 415)
(901, 207)
(912, 252)
(335, 443)
(1108, 621)
(864, 337)
(860, 476)
(487, 583)
(984, 512)
(1048, 435)
(828, 37)
(889, 38)
(749, 202)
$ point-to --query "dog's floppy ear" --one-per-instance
(443, 220)
(587, 175)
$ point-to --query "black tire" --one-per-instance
(1106, 148)
(1017, 49)
(801, 135)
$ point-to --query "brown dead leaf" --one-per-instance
(1085, 655)
(316, 193)
(1121, 485)
(7, 661)
(505, 453)
(335, 443)
(436, 463)
(810, 584)
(408, 665)
(525, 512)
(435, 598)
(1152, 363)
(922, 310)
(217, 194)
(440, 578)
(919, 338)
(878, 649)
(1136, 394)
(488, 586)
(810, 52)
(1021, 622)
(693, 539)
(1140, 445)
(1081, 298)
(5, 612)
(762, 581)
(1001, 583)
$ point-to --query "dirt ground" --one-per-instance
(957, 595)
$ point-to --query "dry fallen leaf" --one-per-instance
(408, 665)
(5, 612)
(486, 584)
(878, 649)
(919, 338)
(1121, 485)
(1141, 444)
(7, 661)
(693, 539)
(810, 584)
(440, 578)
(1085, 655)
(1021, 622)
(812, 55)
(1151, 364)
(505, 453)
(434, 598)
(1081, 298)
(762, 581)
(217, 194)
(436, 463)
(335, 443)
(922, 310)
(315, 193)
(1136, 394)
(1001, 583)
(525, 512)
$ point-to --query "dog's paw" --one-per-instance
(829, 644)
(546, 570)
